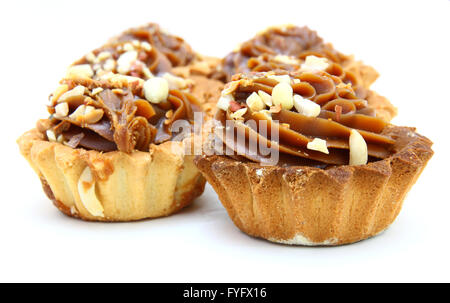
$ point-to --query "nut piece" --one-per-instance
(286, 59)
(50, 135)
(92, 115)
(79, 71)
(280, 78)
(255, 103)
(358, 149)
(318, 145)
(156, 89)
(86, 189)
(313, 64)
(224, 102)
(59, 91)
(74, 93)
(282, 95)
(175, 82)
(237, 115)
(125, 61)
(78, 114)
(306, 107)
(61, 110)
(265, 97)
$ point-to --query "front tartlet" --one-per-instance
(109, 151)
(341, 173)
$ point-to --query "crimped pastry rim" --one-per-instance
(185, 185)
(392, 177)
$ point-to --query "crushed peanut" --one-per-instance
(61, 110)
(313, 63)
(282, 95)
(238, 115)
(265, 97)
(306, 107)
(224, 102)
(318, 145)
(255, 103)
(125, 61)
(358, 148)
(76, 92)
(156, 89)
(79, 71)
(88, 197)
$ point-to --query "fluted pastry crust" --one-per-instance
(312, 206)
(130, 187)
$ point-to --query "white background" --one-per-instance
(407, 42)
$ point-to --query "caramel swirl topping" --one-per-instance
(174, 48)
(106, 116)
(315, 111)
(277, 48)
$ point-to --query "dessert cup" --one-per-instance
(342, 172)
(109, 152)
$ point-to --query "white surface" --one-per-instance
(406, 41)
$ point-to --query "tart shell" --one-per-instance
(130, 187)
(305, 205)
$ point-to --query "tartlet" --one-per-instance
(287, 47)
(341, 173)
(108, 154)
(108, 151)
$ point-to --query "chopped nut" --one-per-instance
(318, 145)
(286, 59)
(75, 93)
(313, 63)
(169, 114)
(92, 115)
(78, 114)
(175, 82)
(118, 91)
(280, 78)
(358, 148)
(103, 56)
(306, 107)
(255, 103)
(86, 190)
(60, 139)
(125, 61)
(59, 91)
(61, 110)
(50, 135)
(79, 71)
(282, 94)
(265, 97)
(239, 113)
(90, 57)
(109, 65)
(96, 91)
(275, 109)
(146, 46)
(224, 102)
(156, 89)
(128, 47)
(147, 73)
(230, 87)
